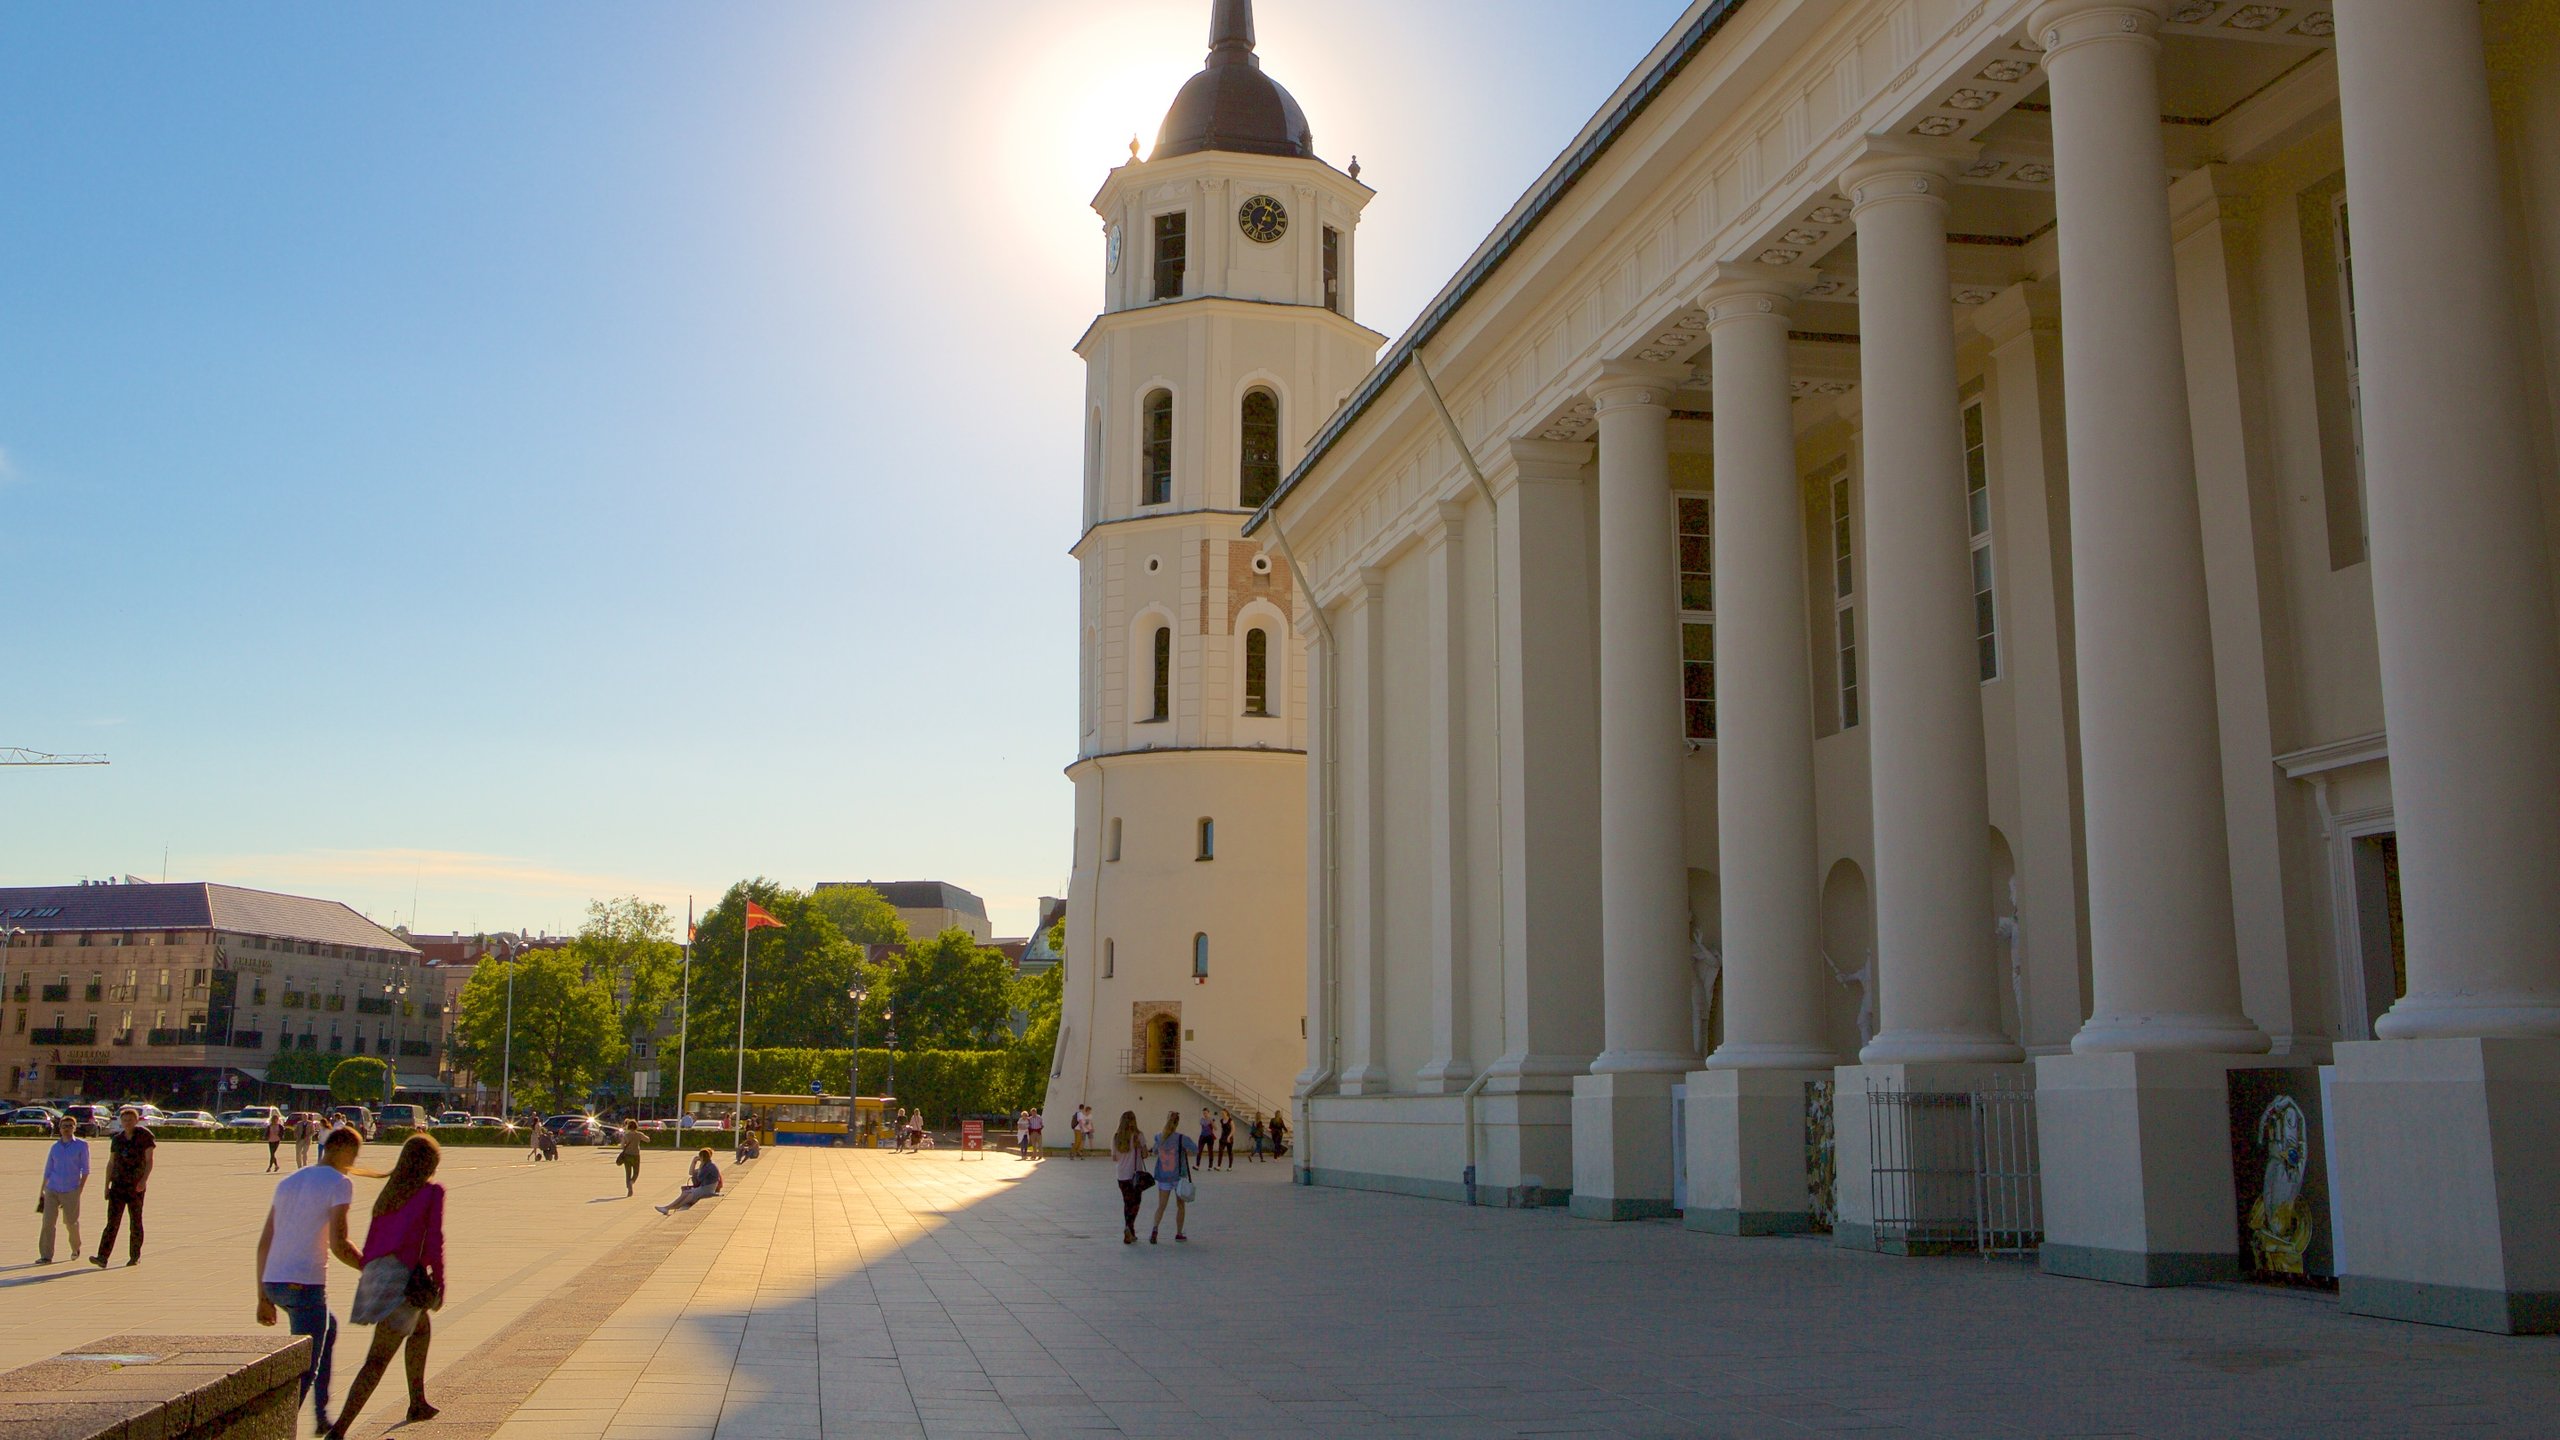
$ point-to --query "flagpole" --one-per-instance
(746, 934)
(684, 1018)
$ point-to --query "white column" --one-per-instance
(1644, 892)
(1363, 720)
(1324, 841)
(1768, 873)
(2165, 967)
(1938, 976)
(1445, 559)
(2461, 564)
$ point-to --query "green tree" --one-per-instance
(1040, 1000)
(948, 993)
(566, 1036)
(360, 1080)
(629, 944)
(797, 981)
(862, 914)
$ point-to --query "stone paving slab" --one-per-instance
(860, 1293)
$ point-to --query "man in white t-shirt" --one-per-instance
(306, 1224)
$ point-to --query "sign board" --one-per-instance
(817, 1089)
(973, 1134)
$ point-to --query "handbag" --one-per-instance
(1183, 1189)
(425, 1289)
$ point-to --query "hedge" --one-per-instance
(945, 1084)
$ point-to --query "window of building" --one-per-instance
(1697, 616)
(1155, 460)
(1108, 956)
(1208, 838)
(1844, 602)
(1261, 467)
(1114, 848)
(1172, 247)
(1163, 688)
(1257, 672)
(1333, 270)
(1200, 956)
(1977, 501)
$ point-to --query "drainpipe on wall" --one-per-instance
(1328, 956)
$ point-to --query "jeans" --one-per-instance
(118, 1207)
(306, 1312)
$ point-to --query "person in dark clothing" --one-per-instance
(1226, 1140)
(128, 1176)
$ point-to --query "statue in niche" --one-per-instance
(2013, 938)
(1706, 967)
(1864, 980)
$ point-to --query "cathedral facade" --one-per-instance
(1937, 553)
(1225, 338)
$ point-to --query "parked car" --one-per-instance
(487, 1122)
(578, 1129)
(91, 1119)
(357, 1117)
(454, 1117)
(254, 1117)
(400, 1115)
(32, 1115)
(187, 1120)
(316, 1120)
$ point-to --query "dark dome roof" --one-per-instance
(1231, 105)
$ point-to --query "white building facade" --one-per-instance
(1953, 559)
(1225, 339)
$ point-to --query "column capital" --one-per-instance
(1634, 384)
(1903, 167)
(2065, 24)
(1741, 288)
(2028, 307)
(1448, 521)
(1551, 462)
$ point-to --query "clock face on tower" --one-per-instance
(1111, 250)
(1262, 220)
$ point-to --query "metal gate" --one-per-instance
(1954, 1171)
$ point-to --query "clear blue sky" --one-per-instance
(513, 454)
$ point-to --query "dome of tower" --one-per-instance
(1231, 105)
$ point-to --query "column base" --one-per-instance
(1747, 1152)
(1854, 1147)
(2135, 1150)
(1622, 1146)
(2443, 1206)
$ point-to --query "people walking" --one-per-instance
(1279, 1136)
(1129, 1153)
(630, 1158)
(403, 1281)
(275, 1139)
(1022, 1134)
(1261, 1137)
(1208, 1152)
(128, 1178)
(301, 1141)
(1174, 1154)
(66, 1174)
(701, 1184)
(1079, 1131)
(1226, 1140)
(1039, 1125)
(306, 1224)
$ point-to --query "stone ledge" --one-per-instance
(159, 1387)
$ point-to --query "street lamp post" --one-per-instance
(507, 1069)
(853, 1084)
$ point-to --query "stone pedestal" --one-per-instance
(2443, 1166)
(1747, 1152)
(2135, 1149)
(1854, 1146)
(1622, 1145)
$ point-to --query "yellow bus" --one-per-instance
(793, 1119)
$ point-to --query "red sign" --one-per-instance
(973, 1134)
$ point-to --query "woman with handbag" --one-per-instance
(1174, 1153)
(403, 1279)
(1129, 1158)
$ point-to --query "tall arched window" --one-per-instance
(1155, 468)
(1208, 838)
(1200, 956)
(1164, 673)
(1261, 472)
(1257, 671)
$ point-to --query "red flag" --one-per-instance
(757, 918)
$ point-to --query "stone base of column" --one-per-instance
(1854, 1145)
(1747, 1152)
(2443, 1153)
(1622, 1145)
(2135, 1150)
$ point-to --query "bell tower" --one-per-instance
(1225, 339)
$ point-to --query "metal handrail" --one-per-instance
(1202, 1075)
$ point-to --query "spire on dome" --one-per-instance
(1231, 105)
(1231, 33)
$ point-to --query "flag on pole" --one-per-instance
(758, 919)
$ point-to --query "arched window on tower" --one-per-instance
(1208, 838)
(1163, 673)
(1200, 956)
(1155, 469)
(1257, 672)
(1261, 470)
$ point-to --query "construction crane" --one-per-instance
(20, 755)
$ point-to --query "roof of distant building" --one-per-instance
(191, 905)
(916, 894)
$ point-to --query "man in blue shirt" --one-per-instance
(66, 1174)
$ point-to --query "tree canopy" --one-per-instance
(360, 1080)
(947, 993)
(798, 976)
(567, 1037)
(629, 944)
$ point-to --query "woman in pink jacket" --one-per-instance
(403, 1278)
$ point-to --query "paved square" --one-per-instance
(838, 1293)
